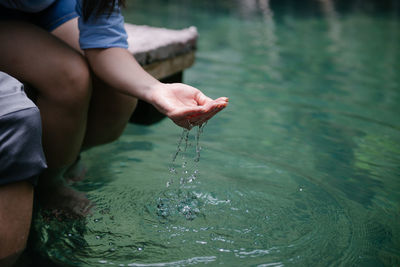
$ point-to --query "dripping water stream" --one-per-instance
(183, 168)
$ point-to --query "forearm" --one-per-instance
(118, 68)
(185, 105)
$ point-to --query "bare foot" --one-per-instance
(66, 201)
(59, 198)
(76, 172)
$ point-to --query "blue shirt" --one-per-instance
(103, 31)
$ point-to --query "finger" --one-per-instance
(209, 107)
(195, 115)
(209, 116)
(219, 101)
(205, 117)
(222, 99)
(202, 99)
(217, 106)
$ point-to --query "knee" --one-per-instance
(75, 84)
(72, 89)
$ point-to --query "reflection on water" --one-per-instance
(301, 169)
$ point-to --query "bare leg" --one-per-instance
(62, 78)
(16, 201)
(109, 111)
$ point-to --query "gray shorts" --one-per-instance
(21, 152)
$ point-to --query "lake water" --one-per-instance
(301, 169)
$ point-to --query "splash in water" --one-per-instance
(183, 168)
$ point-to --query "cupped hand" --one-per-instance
(185, 105)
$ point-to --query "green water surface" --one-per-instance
(301, 169)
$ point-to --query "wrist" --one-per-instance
(150, 93)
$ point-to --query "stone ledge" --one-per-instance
(170, 66)
(150, 44)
